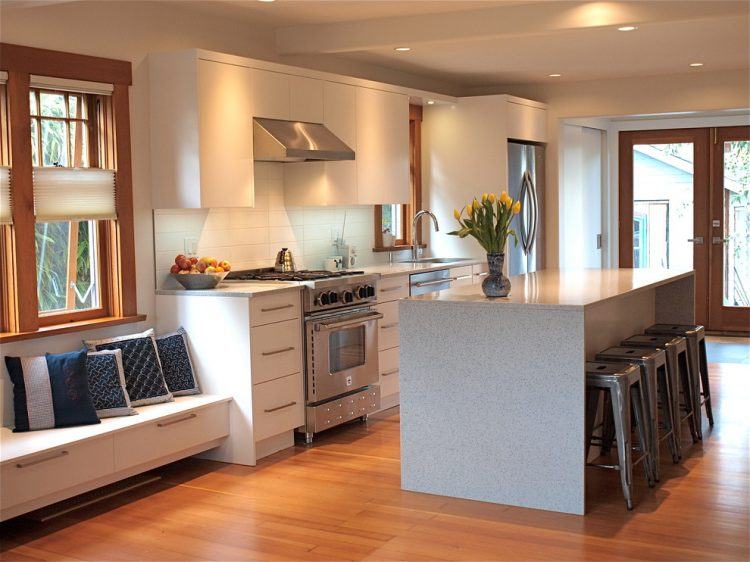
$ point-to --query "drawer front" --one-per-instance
(393, 288)
(388, 325)
(388, 367)
(479, 272)
(276, 350)
(170, 435)
(55, 470)
(463, 276)
(278, 406)
(274, 307)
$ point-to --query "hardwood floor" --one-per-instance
(340, 500)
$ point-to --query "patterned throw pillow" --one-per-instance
(107, 383)
(50, 391)
(144, 379)
(176, 363)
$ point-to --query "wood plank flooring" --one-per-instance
(340, 500)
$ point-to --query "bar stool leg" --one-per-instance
(665, 392)
(592, 405)
(687, 394)
(673, 374)
(637, 401)
(704, 381)
(695, 376)
(621, 413)
(608, 426)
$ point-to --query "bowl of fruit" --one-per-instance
(199, 273)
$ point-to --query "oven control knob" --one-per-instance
(361, 292)
(370, 290)
(333, 297)
(323, 299)
(347, 297)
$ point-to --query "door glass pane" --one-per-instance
(736, 223)
(346, 349)
(663, 205)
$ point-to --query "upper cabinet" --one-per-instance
(527, 120)
(382, 147)
(270, 94)
(201, 133)
(306, 99)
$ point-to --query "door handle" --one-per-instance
(435, 282)
(698, 240)
(273, 308)
(172, 422)
(277, 351)
(389, 373)
(277, 408)
(388, 326)
(45, 459)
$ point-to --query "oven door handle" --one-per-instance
(351, 322)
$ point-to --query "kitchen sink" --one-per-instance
(437, 260)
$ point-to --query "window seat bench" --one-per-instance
(38, 468)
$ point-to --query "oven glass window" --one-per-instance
(347, 349)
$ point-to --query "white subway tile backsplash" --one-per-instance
(250, 238)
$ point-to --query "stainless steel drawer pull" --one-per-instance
(463, 277)
(435, 282)
(389, 289)
(482, 273)
(389, 326)
(278, 351)
(388, 373)
(282, 307)
(172, 422)
(277, 408)
(45, 459)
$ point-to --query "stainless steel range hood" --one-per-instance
(275, 140)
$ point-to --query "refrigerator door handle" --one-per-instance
(525, 232)
(534, 211)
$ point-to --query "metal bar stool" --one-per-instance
(653, 364)
(695, 335)
(622, 383)
(681, 378)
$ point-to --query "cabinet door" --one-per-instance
(463, 276)
(526, 122)
(270, 94)
(382, 147)
(306, 99)
(226, 135)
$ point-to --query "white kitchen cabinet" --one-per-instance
(382, 147)
(479, 271)
(201, 133)
(462, 275)
(527, 120)
(270, 94)
(305, 99)
(328, 183)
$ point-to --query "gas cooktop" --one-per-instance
(302, 275)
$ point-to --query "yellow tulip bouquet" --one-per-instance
(488, 221)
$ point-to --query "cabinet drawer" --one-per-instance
(388, 325)
(170, 435)
(278, 406)
(55, 470)
(388, 367)
(479, 272)
(276, 350)
(274, 308)
(462, 275)
(393, 288)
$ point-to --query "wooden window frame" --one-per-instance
(415, 177)
(20, 316)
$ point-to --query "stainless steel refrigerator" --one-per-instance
(526, 183)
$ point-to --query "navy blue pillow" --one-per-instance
(51, 391)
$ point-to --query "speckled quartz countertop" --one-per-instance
(400, 268)
(237, 289)
(565, 288)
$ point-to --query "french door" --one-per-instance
(684, 202)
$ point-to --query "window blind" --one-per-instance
(74, 194)
(6, 210)
(69, 85)
(3, 77)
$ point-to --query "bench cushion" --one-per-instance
(176, 364)
(50, 391)
(107, 383)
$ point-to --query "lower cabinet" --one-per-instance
(278, 406)
(462, 275)
(389, 367)
(479, 271)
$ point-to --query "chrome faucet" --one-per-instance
(414, 223)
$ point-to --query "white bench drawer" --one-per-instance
(278, 406)
(388, 325)
(170, 435)
(276, 350)
(393, 288)
(38, 475)
(388, 368)
(274, 307)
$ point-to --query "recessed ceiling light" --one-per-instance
(402, 49)
(430, 102)
(555, 75)
(696, 64)
(627, 28)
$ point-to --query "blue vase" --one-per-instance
(496, 284)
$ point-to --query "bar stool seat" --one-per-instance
(681, 377)
(653, 365)
(622, 382)
(695, 334)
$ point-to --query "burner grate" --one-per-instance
(303, 275)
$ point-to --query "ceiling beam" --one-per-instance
(513, 20)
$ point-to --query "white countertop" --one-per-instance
(399, 268)
(237, 289)
(564, 288)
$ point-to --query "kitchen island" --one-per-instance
(493, 390)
